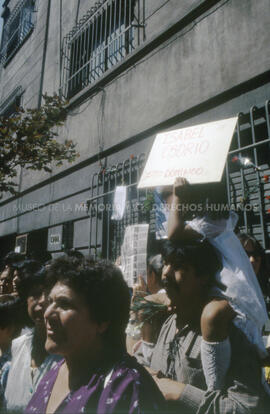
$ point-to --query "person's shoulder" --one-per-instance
(216, 318)
(129, 370)
(171, 320)
(137, 383)
(22, 339)
(218, 310)
(128, 364)
(27, 331)
(125, 372)
(21, 344)
(169, 325)
(129, 367)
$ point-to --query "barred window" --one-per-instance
(104, 36)
(12, 108)
(16, 29)
(9, 106)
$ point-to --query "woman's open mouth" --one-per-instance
(52, 332)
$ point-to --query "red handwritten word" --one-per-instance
(183, 134)
(183, 172)
(185, 149)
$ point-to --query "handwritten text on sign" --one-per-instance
(197, 153)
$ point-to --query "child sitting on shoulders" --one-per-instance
(236, 296)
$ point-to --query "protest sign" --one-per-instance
(197, 153)
(134, 252)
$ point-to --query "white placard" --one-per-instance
(119, 202)
(197, 153)
(134, 253)
(55, 238)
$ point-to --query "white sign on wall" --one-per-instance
(55, 238)
(55, 235)
(197, 153)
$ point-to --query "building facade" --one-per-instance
(129, 70)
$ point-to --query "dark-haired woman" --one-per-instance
(29, 359)
(10, 324)
(10, 327)
(236, 296)
(86, 318)
(257, 258)
(6, 277)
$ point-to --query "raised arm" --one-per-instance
(242, 394)
(188, 398)
(237, 400)
(177, 228)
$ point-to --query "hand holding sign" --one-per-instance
(181, 189)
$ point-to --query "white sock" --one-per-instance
(216, 358)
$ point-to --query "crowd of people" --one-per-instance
(188, 340)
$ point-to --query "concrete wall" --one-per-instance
(174, 84)
(50, 212)
(221, 51)
(25, 67)
(190, 69)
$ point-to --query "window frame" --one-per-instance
(104, 37)
(21, 17)
(14, 99)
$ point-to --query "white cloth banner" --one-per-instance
(119, 202)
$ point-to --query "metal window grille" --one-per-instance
(16, 29)
(248, 191)
(106, 235)
(103, 37)
(248, 188)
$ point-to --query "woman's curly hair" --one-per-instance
(102, 288)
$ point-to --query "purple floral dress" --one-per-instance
(130, 389)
